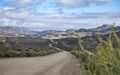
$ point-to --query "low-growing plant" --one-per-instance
(79, 53)
(106, 59)
(13, 53)
(25, 53)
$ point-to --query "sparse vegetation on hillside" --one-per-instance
(25, 47)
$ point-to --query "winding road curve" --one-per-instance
(52, 43)
(62, 63)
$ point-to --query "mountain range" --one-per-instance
(10, 31)
(14, 31)
(103, 29)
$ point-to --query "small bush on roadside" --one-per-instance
(12, 53)
(25, 53)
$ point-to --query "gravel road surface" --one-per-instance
(62, 63)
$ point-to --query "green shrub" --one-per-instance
(3, 53)
(25, 53)
(105, 60)
(13, 53)
(52, 51)
(78, 53)
(32, 52)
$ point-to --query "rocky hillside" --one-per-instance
(15, 31)
(104, 29)
(71, 33)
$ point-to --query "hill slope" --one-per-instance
(15, 31)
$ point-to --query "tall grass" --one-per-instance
(106, 58)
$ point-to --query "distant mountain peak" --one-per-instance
(15, 31)
(104, 26)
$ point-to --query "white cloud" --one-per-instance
(17, 15)
(79, 3)
(73, 3)
(26, 17)
(21, 3)
(8, 22)
(7, 8)
(66, 21)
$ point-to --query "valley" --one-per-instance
(47, 54)
(59, 37)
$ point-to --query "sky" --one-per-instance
(59, 14)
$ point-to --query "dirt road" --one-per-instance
(62, 63)
(52, 43)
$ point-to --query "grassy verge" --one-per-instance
(25, 53)
(105, 60)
